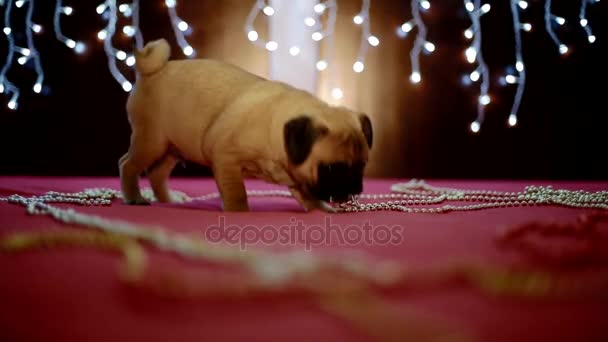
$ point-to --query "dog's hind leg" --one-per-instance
(145, 149)
(158, 176)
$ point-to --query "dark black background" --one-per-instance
(80, 129)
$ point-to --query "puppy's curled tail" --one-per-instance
(152, 57)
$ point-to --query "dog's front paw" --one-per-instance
(136, 201)
(326, 207)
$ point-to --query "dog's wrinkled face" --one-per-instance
(327, 157)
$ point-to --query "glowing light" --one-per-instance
(183, 26)
(22, 60)
(70, 43)
(425, 4)
(252, 36)
(12, 104)
(358, 20)
(188, 50)
(124, 8)
(471, 54)
(101, 35)
(36, 28)
(407, 27)
(584, 22)
(170, 3)
(469, 6)
(127, 86)
(272, 46)
(67, 10)
(415, 77)
(560, 21)
(486, 8)
(510, 79)
(7, 30)
(430, 47)
(474, 126)
(484, 100)
(321, 65)
(121, 55)
(373, 41)
(319, 8)
(523, 4)
(37, 88)
(101, 8)
(358, 66)
(474, 76)
(128, 30)
(310, 22)
(337, 93)
(527, 27)
(591, 39)
(269, 11)
(512, 120)
(468, 34)
(317, 36)
(130, 61)
(519, 65)
(563, 49)
(19, 3)
(294, 50)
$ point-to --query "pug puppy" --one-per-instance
(242, 126)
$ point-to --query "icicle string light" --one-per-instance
(252, 33)
(179, 28)
(33, 53)
(519, 64)
(112, 54)
(584, 22)
(139, 38)
(417, 6)
(78, 47)
(367, 39)
(7, 86)
(473, 55)
(549, 19)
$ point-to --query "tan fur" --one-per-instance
(219, 115)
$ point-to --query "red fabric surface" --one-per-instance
(74, 294)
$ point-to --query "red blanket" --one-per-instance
(75, 294)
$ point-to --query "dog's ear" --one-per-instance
(299, 135)
(366, 127)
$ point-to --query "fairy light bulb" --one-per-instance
(373, 41)
(425, 4)
(128, 30)
(563, 49)
(474, 76)
(188, 50)
(101, 35)
(36, 28)
(68, 10)
(309, 21)
(127, 86)
(358, 66)
(19, 3)
(584, 22)
(468, 34)
(294, 50)
(407, 27)
(100, 9)
(319, 8)
(560, 21)
(22, 60)
(252, 35)
(170, 3)
(358, 20)
(130, 61)
(337, 93)
(182, 26)
(80, 47)
(272, 45)
(121, 55)
(321, 65)
(526, 27)
(591, 39)
(469, 6)
(317, 36)
(484, 100)
(486, 8)
(519, 66)
(430, 47)
(523, 4)
(415, 77)
(123, 8)
(70, 43)
(12, 104)
(269, 11)
(25, 52)
(37, 88)
(512, 120)
(7, 30)
(474, 126)
(471, 54)
(510, 79)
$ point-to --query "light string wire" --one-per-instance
(6, 85)
(417, 6)
(549, 19)
(179, 28)
(519, 63)
(32, 48)
(78, 47)
(584, 22)
(112, 53)
(363, 18)
(139, 38)
(474, 54)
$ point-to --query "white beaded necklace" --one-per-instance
(404, 195)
